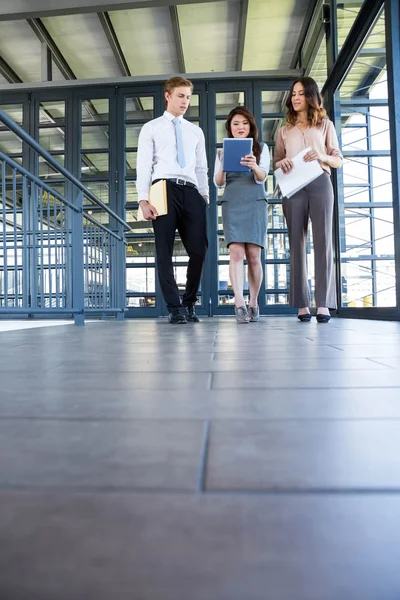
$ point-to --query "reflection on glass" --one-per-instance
(346, 15)
(100, 216)
(273, 102)
(276, 220)
(130, 192)
(95, 137)
(46, 170)
(95, 110)
(132, 135)
(319, 69)
(94, 164)
(101, 189)
(139, 108)
(52, 112)
(52, 139)
(140, 250)
(130, 162)
(277, 298)
(269, 129)
(10, 143)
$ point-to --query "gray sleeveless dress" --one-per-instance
(244, 210)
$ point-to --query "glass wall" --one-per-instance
(365, 198)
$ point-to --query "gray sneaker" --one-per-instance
(254, 313)
(242, 316)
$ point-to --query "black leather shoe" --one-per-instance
(323, 318)
(306, 318)
(191, 315)
(177, 317)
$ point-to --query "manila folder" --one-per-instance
(158, 198)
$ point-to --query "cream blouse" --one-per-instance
(290, 140)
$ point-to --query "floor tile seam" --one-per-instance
(211, 492)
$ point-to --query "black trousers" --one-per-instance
(187, 214)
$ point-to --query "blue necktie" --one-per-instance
(179, 142)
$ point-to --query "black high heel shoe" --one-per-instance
(306, 318)
(323, 318)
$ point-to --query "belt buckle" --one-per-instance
(180, 181)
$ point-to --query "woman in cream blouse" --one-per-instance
(308, 125)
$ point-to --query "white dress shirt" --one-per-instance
(264, 164)
(157, 155)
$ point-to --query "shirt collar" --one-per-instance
(171, 117)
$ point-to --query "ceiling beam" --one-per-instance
(244, 7)
(43, 35)
(114, 43)
(11, 10)
(173, 12)
(8, 73)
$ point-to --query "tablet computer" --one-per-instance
(234, 150)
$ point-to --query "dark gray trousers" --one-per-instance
(315, 201)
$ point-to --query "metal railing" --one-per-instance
(55, 258)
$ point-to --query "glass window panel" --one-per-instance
(132, 135)
(276, 220)
(273, 102)
(100, 216)
(383, 232)
(355, 170)
(139, 279)
(223, 250)
(193, 110)
(94, 164)
(277, 246)
(52, 112)
(52, 139)
(354, 138)
(15, 111)
(379, 128)
(220, 131)
(356, 194)
(130, 162)
(319, 69)
(358, 232)
(277, 276)
(179, 250)
(101, 189)
(140, 250)
(139, 108)
(347, 13)
(269, 129)
(140, 301)
(130, 192)
(95, 137)
(357, 283)
(9, 142)
(95, 110)
(225, 102)
(277, 298)
(385, 283)
(46, 170)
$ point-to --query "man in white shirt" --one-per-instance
(173, 149)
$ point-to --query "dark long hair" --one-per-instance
(315, 111)
(244, 112)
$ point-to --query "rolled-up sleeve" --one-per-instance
(331, 141)
(201, 165)
(264, 164)
(144, 164)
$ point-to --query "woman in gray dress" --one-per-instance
(244, 212)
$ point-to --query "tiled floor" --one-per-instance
(144, 461)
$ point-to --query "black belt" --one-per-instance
(179, 181)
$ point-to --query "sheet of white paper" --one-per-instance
(301, 175)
